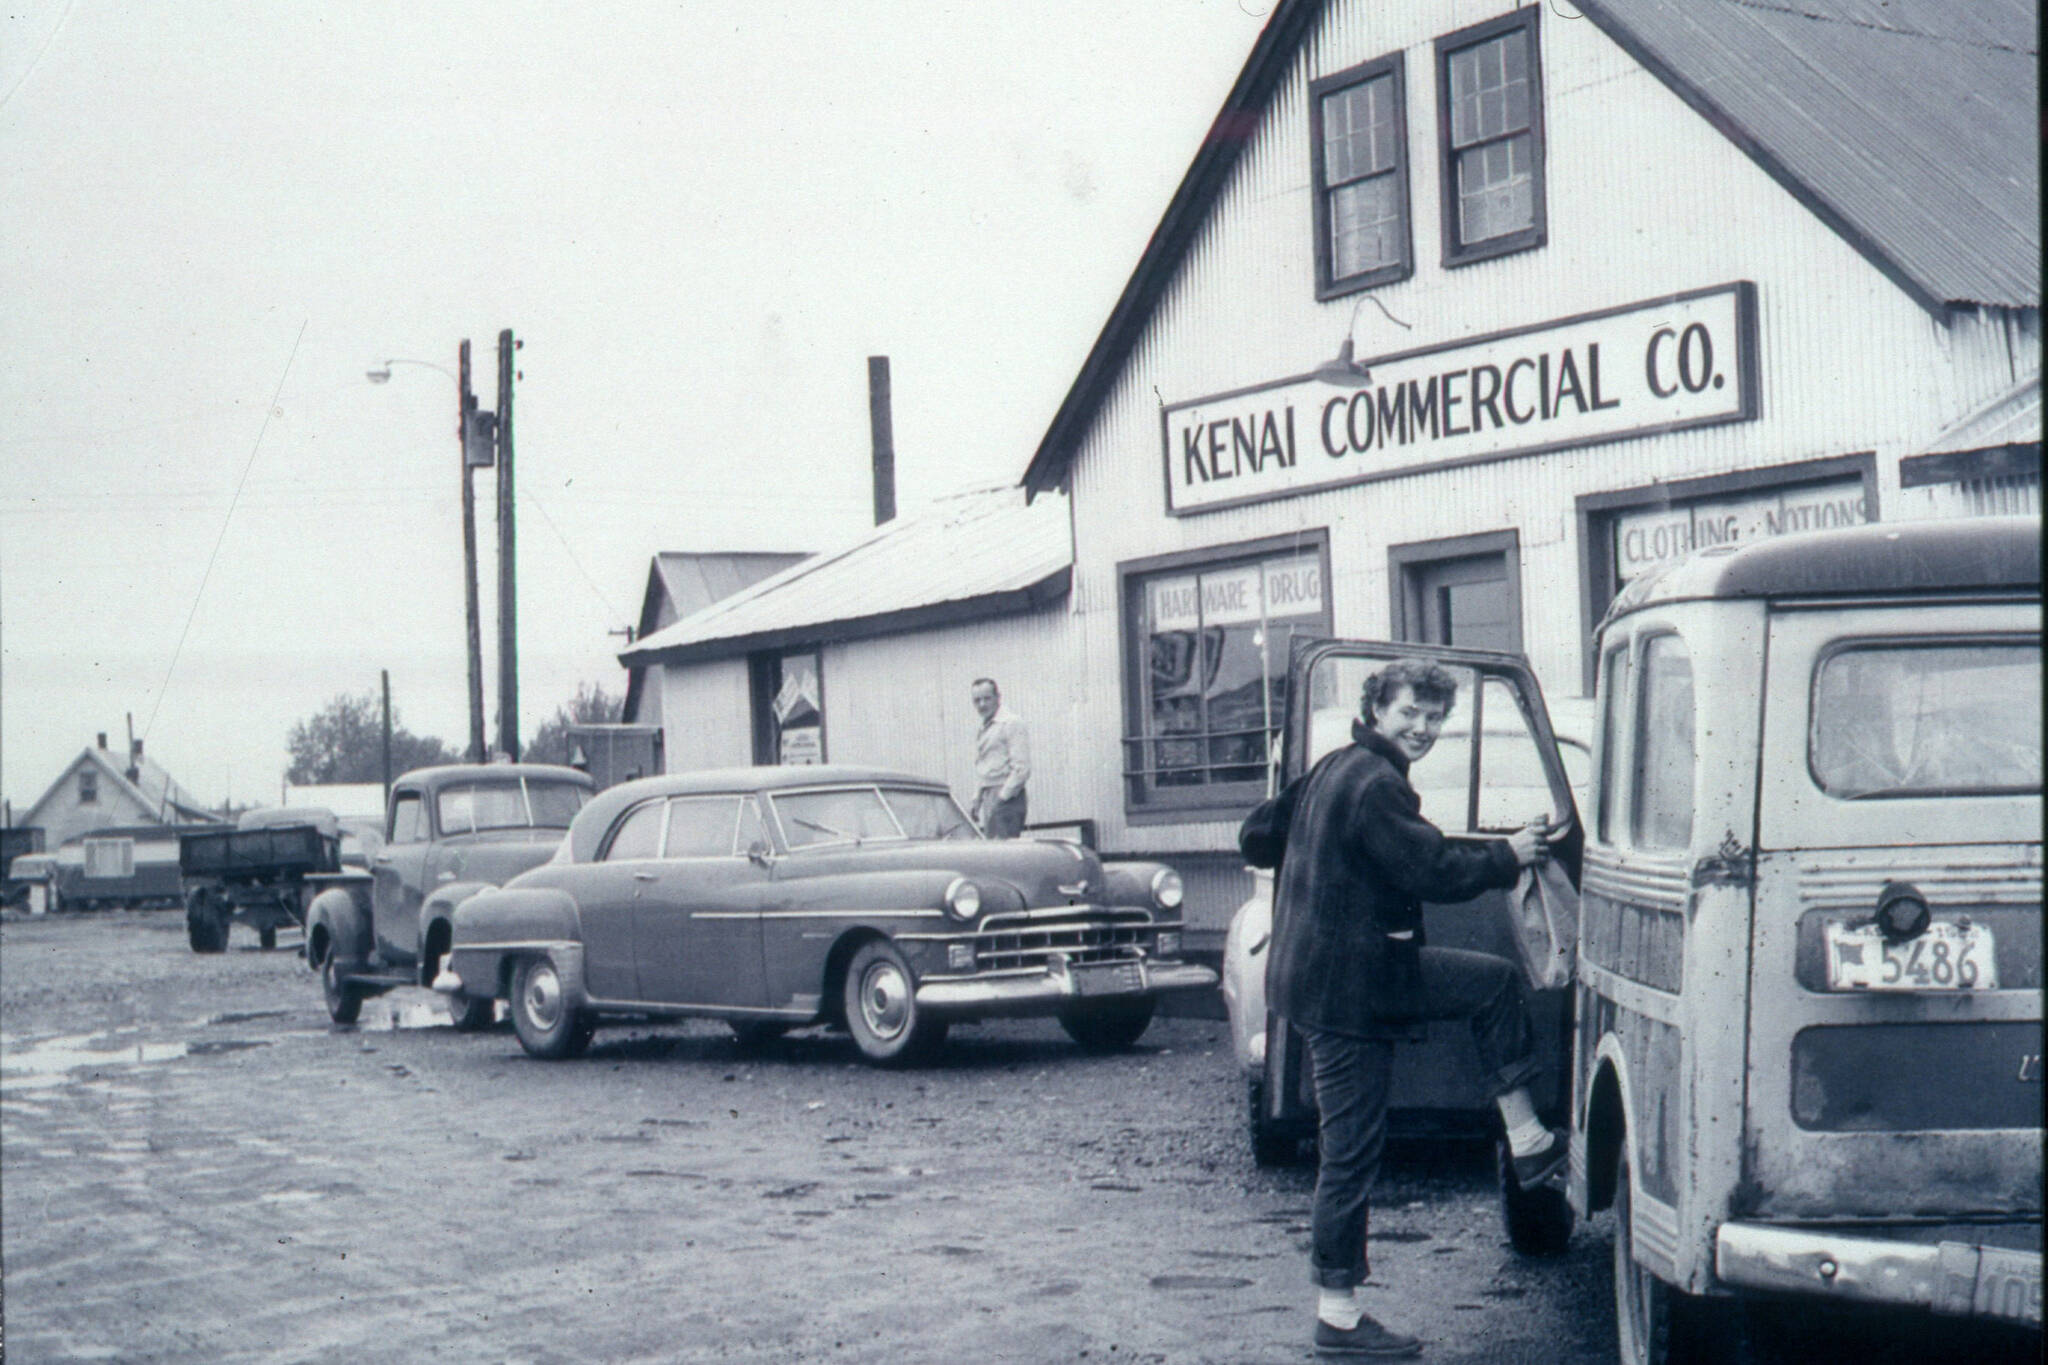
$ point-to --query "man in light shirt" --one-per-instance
(1002, 763)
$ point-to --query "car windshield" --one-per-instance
(929, 814)
(859, 814)
(1921, 720)
(508, 803)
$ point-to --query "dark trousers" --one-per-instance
(1000, 819)
(1352, 1076)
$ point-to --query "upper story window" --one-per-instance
(1358, 137)
(88, 786)
(1490, 128)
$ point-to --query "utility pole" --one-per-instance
(468, 430)
(385, 675)
(508, 606)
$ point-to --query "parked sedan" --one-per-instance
(779, 897)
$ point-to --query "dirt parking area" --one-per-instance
(195, 1166)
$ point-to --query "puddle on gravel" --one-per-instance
(1200, 1282)
(51, 1062)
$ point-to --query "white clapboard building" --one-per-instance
(1465, 313)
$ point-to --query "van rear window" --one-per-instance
(1927, 720)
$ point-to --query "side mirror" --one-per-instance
(758, 852)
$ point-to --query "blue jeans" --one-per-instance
(1352, 1077)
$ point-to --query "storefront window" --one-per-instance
(1213, 647)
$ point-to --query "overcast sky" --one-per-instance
(700, 219)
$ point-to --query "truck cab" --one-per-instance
(1807, 1026)
(448, 833)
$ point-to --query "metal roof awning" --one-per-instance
(2002, 439)
(985, 553)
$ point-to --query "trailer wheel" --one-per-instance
(206, 923)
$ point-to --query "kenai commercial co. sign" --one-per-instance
(1687, 360)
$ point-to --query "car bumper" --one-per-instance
(1043, 991)
(1954, 1278)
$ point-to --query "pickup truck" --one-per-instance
(255, 873)
(449, 833)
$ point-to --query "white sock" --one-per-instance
(1526, 1133)
(1339, 1307)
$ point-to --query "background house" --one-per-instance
(96, 791)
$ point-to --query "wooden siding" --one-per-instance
(1644, 199)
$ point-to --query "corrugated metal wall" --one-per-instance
(704, 716)
(1644, 199)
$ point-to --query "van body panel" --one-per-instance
(1889, 1106)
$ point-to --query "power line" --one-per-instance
(247, 465)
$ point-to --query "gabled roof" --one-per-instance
(1907, 126)
(972, 555)
(153, 789)
(688, 583)
(681, 584)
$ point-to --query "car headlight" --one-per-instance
(963, 899)
(1167, 890)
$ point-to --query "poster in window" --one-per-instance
(804, 744)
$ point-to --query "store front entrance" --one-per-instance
(1464, 591)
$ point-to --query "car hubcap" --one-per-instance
(543, 996)
(884, 1000)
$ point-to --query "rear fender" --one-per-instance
(492, 928)
(338, 921)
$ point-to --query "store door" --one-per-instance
(1447, 595)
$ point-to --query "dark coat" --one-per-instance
(1360, 861)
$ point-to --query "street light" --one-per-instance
(471, 431)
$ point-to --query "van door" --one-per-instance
(1895, 1079)
(1495, 767)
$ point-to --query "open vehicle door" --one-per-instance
(1495, 767)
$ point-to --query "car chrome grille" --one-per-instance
(1010, 942)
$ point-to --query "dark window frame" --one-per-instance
(88, 787)
(1393, 67)
(1208, 802)
(1404, 560)
(764, 681)
(1596, 513)
(1457, 251)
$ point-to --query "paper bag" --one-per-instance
(1543, 912)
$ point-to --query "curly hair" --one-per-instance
(1430, 683)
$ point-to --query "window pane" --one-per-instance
(1664, 746)
(554, 803)
(1490, 89)
(752, 830)
(1514, 784)
(835, 817)
(701, 827)
(1613, 696)
(639, 836)
(929, 815)
(1946, 720)
(1359, 130)
(408, 820)
(1496, 192)
(1366, 231)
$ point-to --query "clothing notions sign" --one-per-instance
(1685, 360)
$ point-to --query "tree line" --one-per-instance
(344, 740)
